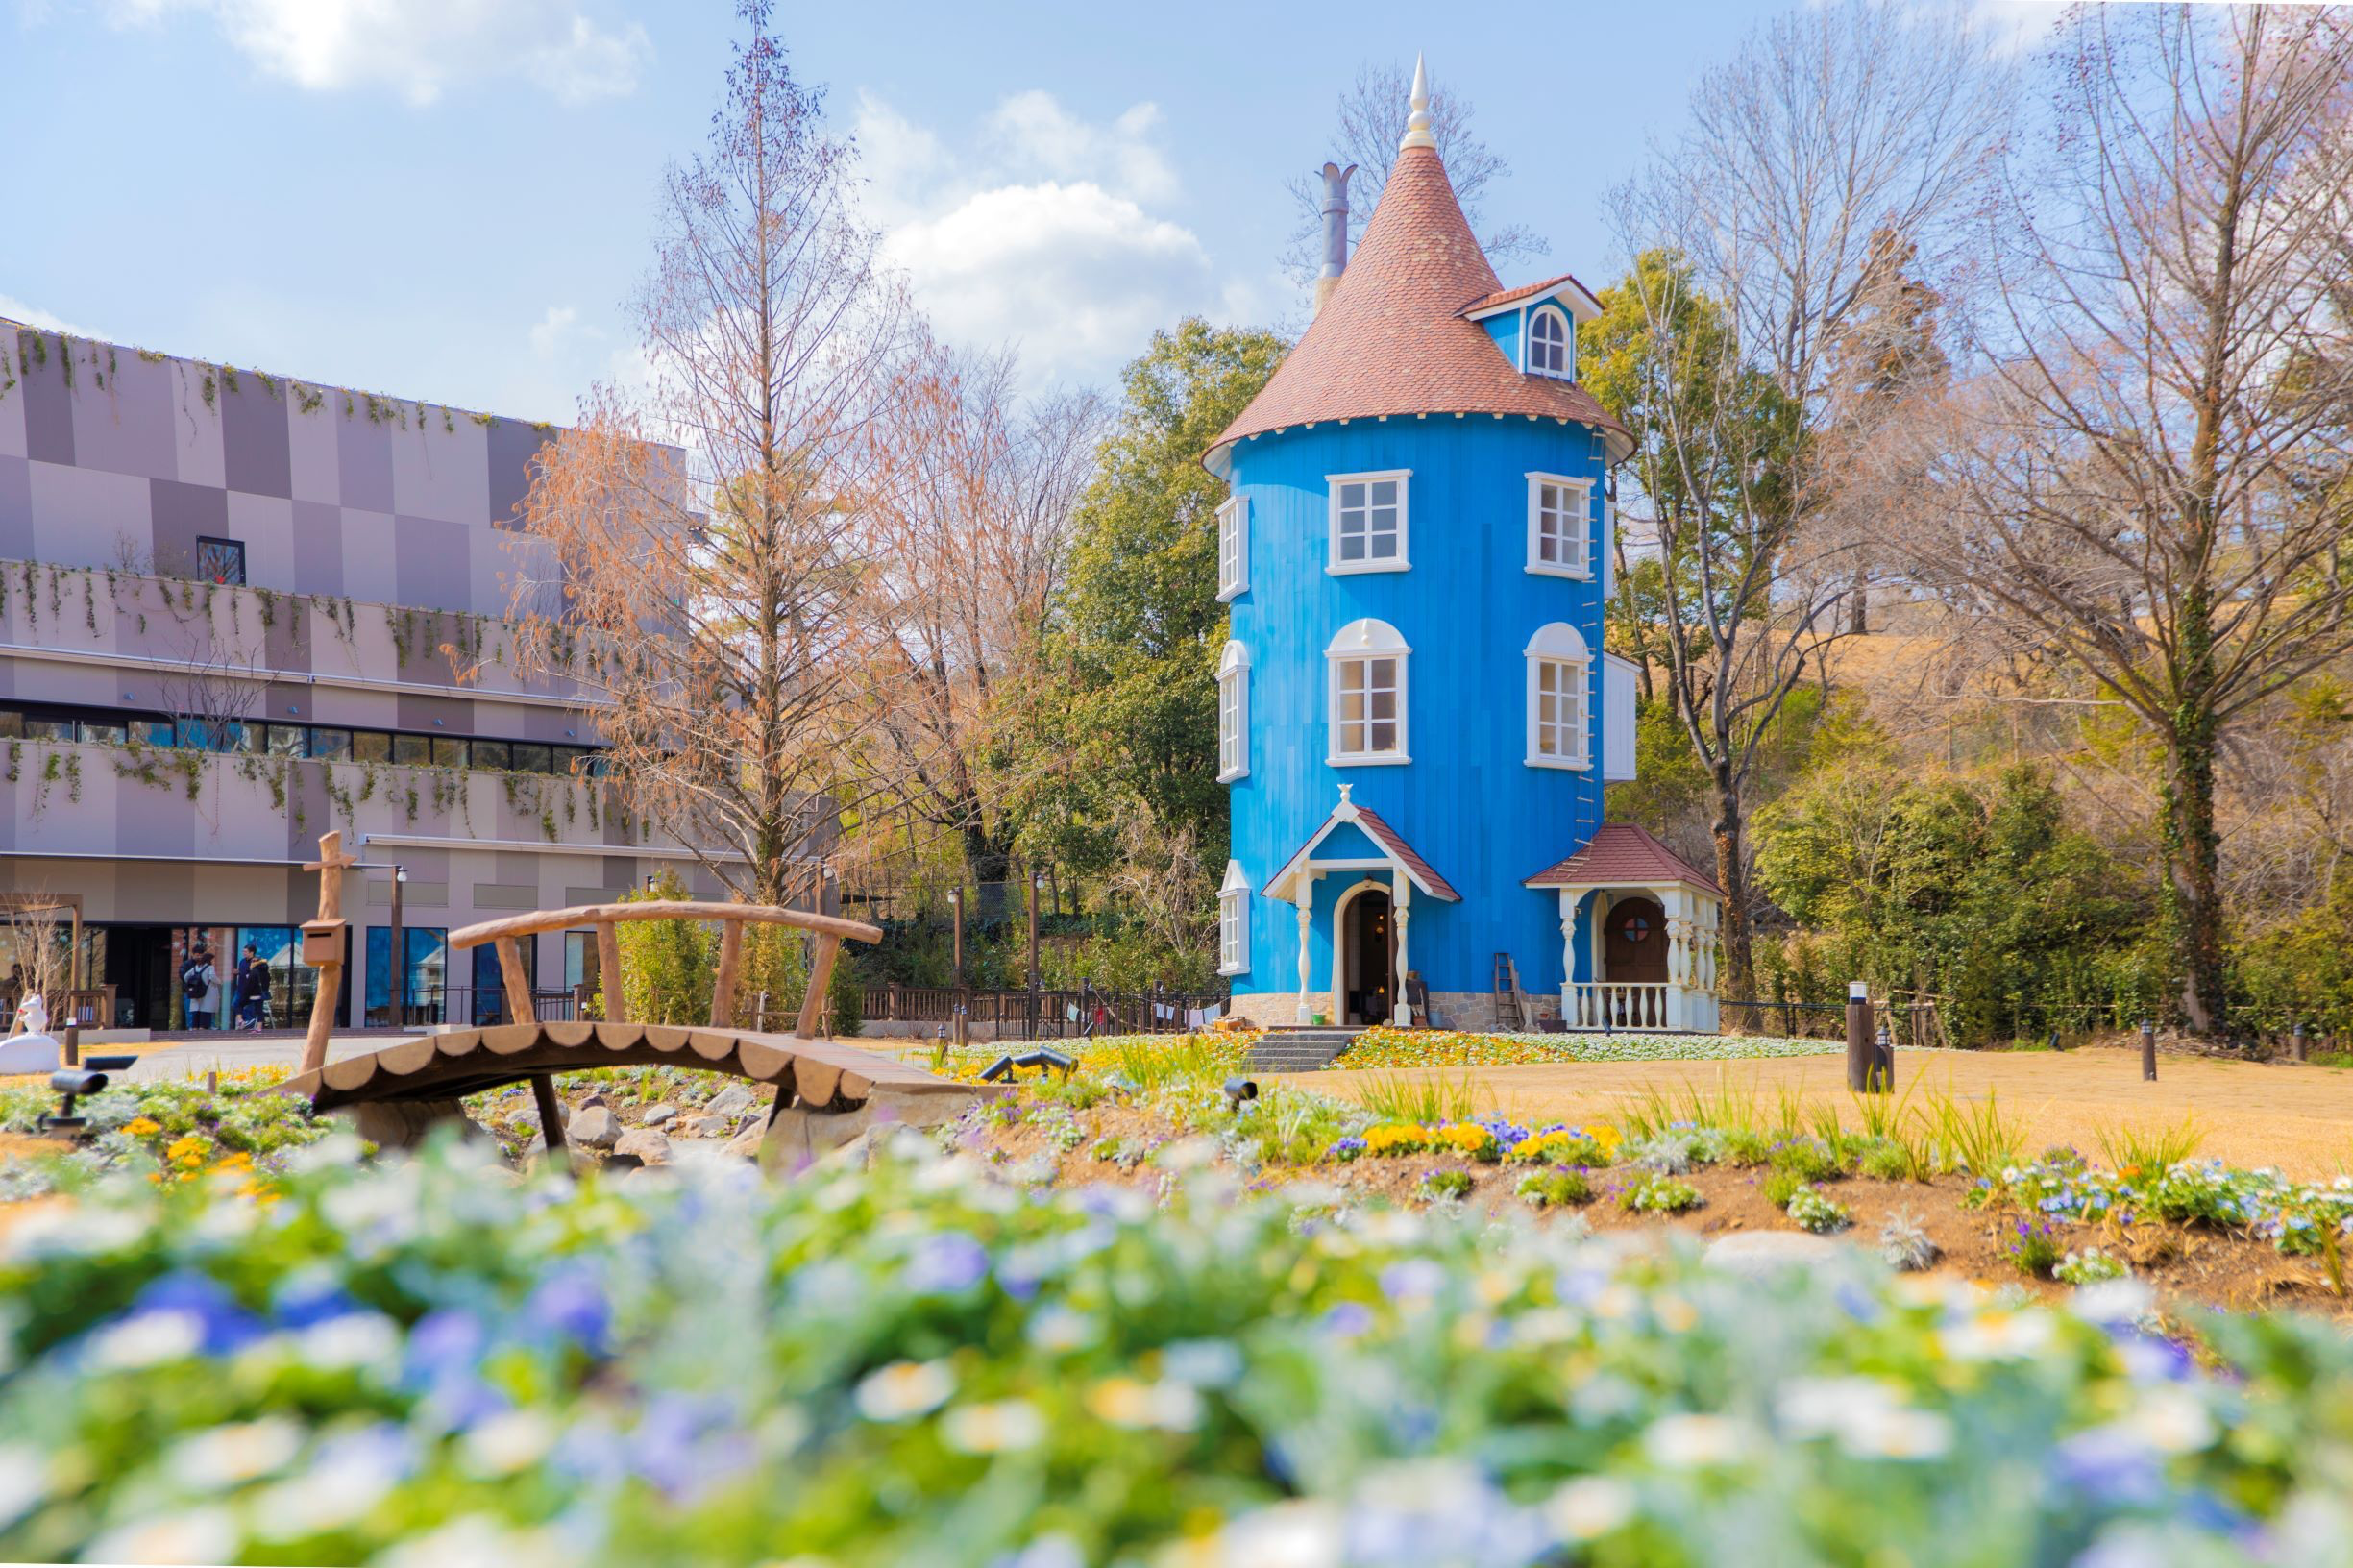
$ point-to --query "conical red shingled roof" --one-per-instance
(1390, 340)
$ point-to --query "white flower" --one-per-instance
(1590, 1505)
(148, 1339)
(199, 1535)
(993, 1427)
(229, 1456)
(1998, 1337)
(1058, 1328)
(2171, 1418)
(905, 1389)
(55, 1230)
(508, 1442)
(349, 1341)
(1287, 1535)
(476, 1542)
(1690, 1442)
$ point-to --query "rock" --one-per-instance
(731, 1101)
(657, 1115)
(592, 1100)
(746, 1145)
(643, 1144)
(594, 1128)
(707, 1127)
(1758, 1254)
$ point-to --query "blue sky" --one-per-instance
(448, 199)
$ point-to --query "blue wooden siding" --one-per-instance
(1467, 607)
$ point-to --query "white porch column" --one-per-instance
(1678, 953)
(1307, 917)
(1401, 896)
(1568, 957)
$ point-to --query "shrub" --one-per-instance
(1659, 1194)
(1446, 1185)
(1781, 1186)
(1817, 1214)
(1747, 1146)
(2090, 1267)
(1555, 1189)
(1808, 1159)
(1904, 1245)
(2037, 1251)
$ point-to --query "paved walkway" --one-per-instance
(2299, 1118)
(228, 1052)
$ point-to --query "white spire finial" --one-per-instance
(1417, 124)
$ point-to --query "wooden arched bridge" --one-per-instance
(826, 1093)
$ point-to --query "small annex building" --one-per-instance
(1417, 716)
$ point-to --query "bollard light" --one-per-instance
(71, 1083)
(1239, 1089)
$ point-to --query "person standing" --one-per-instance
(253, 989)
(199, 984)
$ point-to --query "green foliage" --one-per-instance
(1141, 626)
(2036, 1250)
(1660, 1194)
(1555, 1189)
(1815, 1213)
(1809, 1160)
(1427, 1101)
(1443, 1184)
(1975, 890)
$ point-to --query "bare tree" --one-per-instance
(1754, 239)
(1371, 122)
(211, 694)
(2151, 478)
(707, 600)
(39, 952)
(967, 528)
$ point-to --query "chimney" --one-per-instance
(1336, 231)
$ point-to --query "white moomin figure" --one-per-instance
(34, 1050)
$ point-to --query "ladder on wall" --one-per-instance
(1510, 1012)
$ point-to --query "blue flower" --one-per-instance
(946, 1264)
(570, 1305)
(1348, 1319)
(227, 1325)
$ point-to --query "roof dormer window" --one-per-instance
(1549, 351)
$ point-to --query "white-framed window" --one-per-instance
(1368, 521)
(1232, 711)
(1233, 547)
(1234, 921)
(1368, 695)
(1560, 525)
(1559, 699)
(1552, 344)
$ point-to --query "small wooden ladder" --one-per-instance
(1510, 1012)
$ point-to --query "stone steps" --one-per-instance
(1299, 1050)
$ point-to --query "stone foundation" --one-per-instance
(1467, 1010)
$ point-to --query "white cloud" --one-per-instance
(419, 48)
(560, 322)
(1039, 228)
(32, 315)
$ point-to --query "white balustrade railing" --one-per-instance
(1617, 1004)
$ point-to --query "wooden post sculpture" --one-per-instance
(323, 946)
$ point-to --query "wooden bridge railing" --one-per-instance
(829, 930)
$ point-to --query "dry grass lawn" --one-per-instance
(2297, 1118)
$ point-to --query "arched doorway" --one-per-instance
(1368, 946)
(1635, 942)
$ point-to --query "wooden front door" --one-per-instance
(1370, 944)
(1635, 942)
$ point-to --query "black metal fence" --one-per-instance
(474, 1007)
(1042, 1014)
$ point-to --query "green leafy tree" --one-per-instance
(1133, 723)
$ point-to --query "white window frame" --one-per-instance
(1359, 643)
(1334, 566)
(1233, 547)
(1568, 344)
(1232, 711)
(1560, 649)
(1234, 921)
(1581, 491)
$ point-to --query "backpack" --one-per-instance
(192, 982)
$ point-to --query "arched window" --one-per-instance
(1368, 695)
(1233, 713)
(1559, 702)
(1548, 343)
(1234, 921)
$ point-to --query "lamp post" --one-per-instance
(400, 954)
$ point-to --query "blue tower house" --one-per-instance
(1416, 717)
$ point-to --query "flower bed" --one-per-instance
(2298, 1217)
(173, 1130)
(1390, 1047)
(414, 1364)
